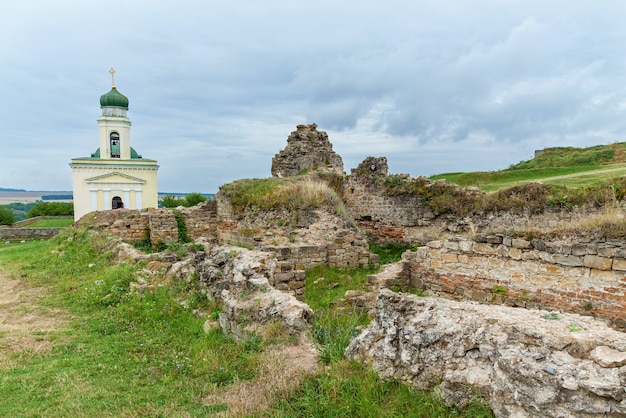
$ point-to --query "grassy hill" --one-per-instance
(564, 166)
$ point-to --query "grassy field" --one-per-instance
(113, 352)
(571, 167)
(52, 223)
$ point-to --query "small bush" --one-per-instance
(6, 216)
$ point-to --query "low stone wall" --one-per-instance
(19, 230)
(157, 225)
(584, 277)
(28, 233)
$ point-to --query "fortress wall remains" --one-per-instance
(585, 277)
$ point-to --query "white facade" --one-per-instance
(115, 176)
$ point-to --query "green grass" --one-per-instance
(564, 166)
(389, 253)
(125, 354)
(121, 354)
(52, 223)
(350, 388)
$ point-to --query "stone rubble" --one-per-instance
(525, 363)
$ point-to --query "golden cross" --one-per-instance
(112, 71)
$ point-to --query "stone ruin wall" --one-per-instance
(347, 250)
(588, 278)
(307, 150)
(404, 219)
(157, 225)
(215, 222)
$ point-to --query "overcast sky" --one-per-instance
(216, 87)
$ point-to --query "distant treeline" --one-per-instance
(2, 189)
(58, 197)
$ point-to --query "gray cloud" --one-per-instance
(215, 88)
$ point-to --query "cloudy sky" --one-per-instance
(216, 86)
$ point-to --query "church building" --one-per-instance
(115, 176)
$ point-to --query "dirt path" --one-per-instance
(24, 326)
(584, 173)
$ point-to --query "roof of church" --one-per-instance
(133, 154)
(114, 98)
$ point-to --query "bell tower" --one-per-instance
(115, 176)
(114, 125)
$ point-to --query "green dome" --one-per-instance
(114, 98)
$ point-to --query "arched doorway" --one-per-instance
(117, 203)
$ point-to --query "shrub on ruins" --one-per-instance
(192, 199)
(530, 198)
(293, 193)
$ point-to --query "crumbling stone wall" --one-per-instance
(347, 251)
(525, 363)
(584, 277)
(406, 218)
(9, 233)
(201, 220)
(307, 150)
(156, 225)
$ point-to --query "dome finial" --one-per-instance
(112, 71)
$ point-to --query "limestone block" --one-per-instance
(436, 264)
(579, 249)
(620, 253)
(449, 257)
(515, 253)
(434, 244)
(546, 256)
(502, 250)
(451, 245)
(296, 284)
(606, 251)
(521, 243)
(481, 248)
(282, 286)
(603, 277)
(566, 248)
(568, 260)
(465, 246)
(556, 270)
(596, 262)
(494, 239)
(538, 244)
(619, 264)
(608, 357)
(530, 255)
(592, 248)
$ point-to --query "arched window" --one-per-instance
(117, 203)
(115, 145)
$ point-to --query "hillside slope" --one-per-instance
(565, 166)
